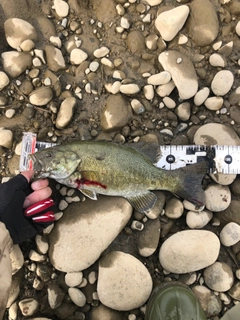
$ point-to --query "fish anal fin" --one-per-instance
(143, 202)
(88, 193)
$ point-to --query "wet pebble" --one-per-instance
(218, 277)
(195, 249)
(122, 275)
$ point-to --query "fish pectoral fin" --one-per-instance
(143, 202)
(90, 194)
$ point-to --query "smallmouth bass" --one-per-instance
(97, 167)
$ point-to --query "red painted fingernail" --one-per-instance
(46, 217)
(38, 207)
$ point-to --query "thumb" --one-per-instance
(28, 174)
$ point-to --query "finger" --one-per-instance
(40, 184)
(28, 174)
(36, 196)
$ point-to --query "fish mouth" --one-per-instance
(37, 166)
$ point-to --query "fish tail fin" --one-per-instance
(190, 183)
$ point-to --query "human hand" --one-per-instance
(15, 195)
(40, 189)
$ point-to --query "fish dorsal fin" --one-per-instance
(143, 202)
(150, 150)
(90, 194)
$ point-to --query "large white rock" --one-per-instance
(222, 82)
(170, 22)
(182, 71)
(124, 283)
(85, 231)
(189, 250)
(17, 31)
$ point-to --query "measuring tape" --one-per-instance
(220, 159)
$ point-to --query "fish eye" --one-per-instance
(48, 154)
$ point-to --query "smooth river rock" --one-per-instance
(189, 250)
(116, 113)
(170, 22)
(218, 276)
(203, 25)
(65, 112)
(85, 231)
(124, 283)
(182, 71)
(17, 31)
(15, 63)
